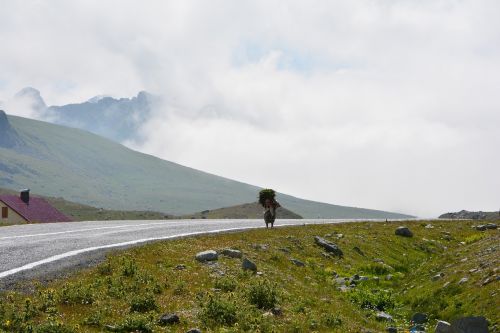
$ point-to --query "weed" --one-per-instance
(374, 299)
(331, 320)
(263, 294)
(217, 311)
(226, 284)
(143, 303)
(474, 238)
(128, 266)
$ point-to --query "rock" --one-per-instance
(419, 318)
(380, 261)
(383, 316)
(487, 281)
(358, 250)
(463, 280)
(403, 231)
(437, 276)
(443, 327)
(340, 281)
(328, 246)
(169, 319)
(470, 325)
(277, 311)
(209, 255)
(297, 262)
(388, 277)
(480, 227)
(491, 226)
(391, 330)
(232, 253)
(263, 247)
(429, 226)
(194, 330)
(418, 329)
(284, 249)
(249, 265)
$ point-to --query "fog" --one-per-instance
(388, 105)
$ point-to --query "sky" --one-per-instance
(391, 105)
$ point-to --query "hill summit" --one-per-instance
(8, 136)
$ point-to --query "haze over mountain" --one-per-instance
(115, 119)
(82, 167)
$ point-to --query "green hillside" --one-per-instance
(82, 167)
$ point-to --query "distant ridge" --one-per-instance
(85, 168)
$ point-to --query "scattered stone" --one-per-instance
(473, 270)
(169, 319)
(388, 277)
(249, 265)
(480, 227)
(463, 280)
(447, 283)
(340, 281)
(260, 273)
(429, 226)
(297, 262)
(403, 231)
(470, 325)
(209, 255)
(277, 311)
(378, 260)
(437, 276)
(383, 316)
(443, 327)
(194, 330)
(328, 246)
(232, 253)
(339, 236)
(487, 281)
(418, 329)
(491, 226)
(285, 249)
(419, 318)
(180, 267)
(376, 279)
(358, 250)
(263, 247)
(464, 259)
(364, 278)
(391, 330)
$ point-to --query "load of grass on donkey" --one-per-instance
(265, 194)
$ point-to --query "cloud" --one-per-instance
(382, 104)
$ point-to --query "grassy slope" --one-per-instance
(146, 277)
(245, 211)
(85, 168)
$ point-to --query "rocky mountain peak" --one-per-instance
(35, 97)
(8, 136)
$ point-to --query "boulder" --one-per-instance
(297, 262)
(391, 330)
(277, 311)
(403, 231)
(169, 319)
(232, 253)
(328, 246)
(383, 316)
(194, 330)
(480, 227)
(463, 280)
(249, 265)
(469, 325)
(419, 318)
(491, 226)
(209, 255)
(442, 327)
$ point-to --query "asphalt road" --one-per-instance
(47, 250)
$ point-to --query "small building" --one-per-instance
(23, 209)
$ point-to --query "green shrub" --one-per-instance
(128, 266)
(143, 303)
(217, 311)
(76, 294)
(135, 323)
(377, 269)
(331, 320)
(226, 284)
(372, 298)
(263, 294)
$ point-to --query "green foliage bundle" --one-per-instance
(265, 194)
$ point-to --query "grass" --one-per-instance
(133, 288)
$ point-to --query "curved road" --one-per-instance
(41, 250)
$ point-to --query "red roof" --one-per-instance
(38, 210)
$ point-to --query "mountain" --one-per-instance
(82, 167)
(115, 119)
